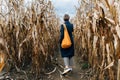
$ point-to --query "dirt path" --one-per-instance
(77, 74)
(72, 76)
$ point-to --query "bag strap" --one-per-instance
(64, 26)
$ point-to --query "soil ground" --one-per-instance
(78, 73)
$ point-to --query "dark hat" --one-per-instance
(66, 17)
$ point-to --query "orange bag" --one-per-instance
(66, 42)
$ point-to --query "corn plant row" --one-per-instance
(98, 24)
(28, 33)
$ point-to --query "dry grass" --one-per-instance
(97, 23)
(29, 34)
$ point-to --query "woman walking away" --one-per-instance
(67, 53)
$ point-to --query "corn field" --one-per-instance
(29, 36)
(97, 23)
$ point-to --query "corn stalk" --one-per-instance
(97, 23)
(29, 33)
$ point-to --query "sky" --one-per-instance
(65, 6)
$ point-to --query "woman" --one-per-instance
(68, 53)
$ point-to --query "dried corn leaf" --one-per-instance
(110, 65)
(110, 21)
(107, 3)
(2, 61)
(42, 48)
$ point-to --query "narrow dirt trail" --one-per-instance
(76, 74)
(73, 76)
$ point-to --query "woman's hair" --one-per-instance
(66, 17)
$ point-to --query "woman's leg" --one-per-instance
(66, 62)
(71, 62)
(67, 65)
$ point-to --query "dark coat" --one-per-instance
(69, 52)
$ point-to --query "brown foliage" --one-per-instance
(97, 23)
(30, 33)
